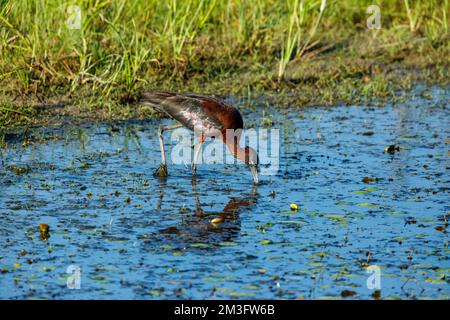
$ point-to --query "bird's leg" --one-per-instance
(198, 149)
(162, 170)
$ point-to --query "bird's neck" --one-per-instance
(237, 151)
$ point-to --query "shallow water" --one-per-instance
(136, 237)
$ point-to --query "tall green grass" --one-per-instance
(124, 46)
(298, 38)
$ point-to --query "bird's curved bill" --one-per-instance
(254, 171)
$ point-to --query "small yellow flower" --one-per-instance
(216, 220)
(43, 227)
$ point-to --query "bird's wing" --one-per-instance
(188, 109)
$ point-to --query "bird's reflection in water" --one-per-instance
(196, 227)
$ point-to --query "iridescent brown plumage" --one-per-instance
(208, 117)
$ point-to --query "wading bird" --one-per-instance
(207, 117)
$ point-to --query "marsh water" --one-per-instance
(133, 236)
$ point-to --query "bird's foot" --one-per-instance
(161, 171)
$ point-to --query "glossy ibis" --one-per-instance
(208, 117)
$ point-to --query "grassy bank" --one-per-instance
(320, 52)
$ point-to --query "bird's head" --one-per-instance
(252, 160)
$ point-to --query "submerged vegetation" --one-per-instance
(91, 58)
(337, 207)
